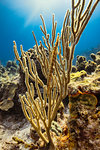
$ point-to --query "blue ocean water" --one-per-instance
(12, 27)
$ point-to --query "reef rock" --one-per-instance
(89, 66)
(84, 122)
(81, 63)
(11, 68)
(80, 81)
(8, 87)
(96, 57)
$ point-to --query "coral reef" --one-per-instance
(2, 69)
(84, 122)
(74, 69)
(79, 75)
(96, 57)
(9, 80)
(81, 64)
(10, 125)
(90, 83)
(56, 88)
(97, 69)
(11, 68)
(80, 81)
(41, 111)
(89, 66)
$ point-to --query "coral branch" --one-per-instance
(56, 65)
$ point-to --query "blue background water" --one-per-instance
(14, 26)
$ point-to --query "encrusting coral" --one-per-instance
(84, 122)
(54, 70)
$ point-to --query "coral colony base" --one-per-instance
(45, 84)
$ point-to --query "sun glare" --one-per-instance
(31, 9)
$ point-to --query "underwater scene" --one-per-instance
(50, 75)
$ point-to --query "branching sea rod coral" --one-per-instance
(54, 69)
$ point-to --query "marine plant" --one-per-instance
(61, 52)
